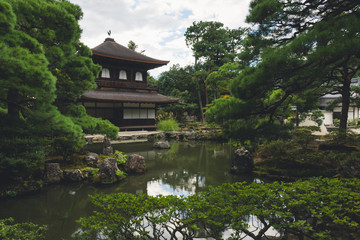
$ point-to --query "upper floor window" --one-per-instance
(122, 75)
(105, 73)
(138, 76)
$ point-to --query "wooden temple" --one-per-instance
(123, 96)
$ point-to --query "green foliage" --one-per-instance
(22, 149)
(91, 125)
(303, 136)
(43, 69)
(318, 208)
(163, 115)
(285, 158)
(293, 55)
(318, 117)
(9, 230)
(213, 43)
(120, 174)
(343, 137)
(120, 157)
(179, 82)
(168, 125)
(354, 123)
(94, 171)
(15, 163)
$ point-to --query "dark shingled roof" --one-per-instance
(110, 48)
(127, 96)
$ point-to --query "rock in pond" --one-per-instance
(135, 164)
(243, 162)
(162, 145)
(74, 175)
(92, 159)
(107, 171)
(53, 173)
(107, 148)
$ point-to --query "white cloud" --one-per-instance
(156, 26)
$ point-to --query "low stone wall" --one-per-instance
(143, 136)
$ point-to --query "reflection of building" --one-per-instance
(123, 96)
(335, 114)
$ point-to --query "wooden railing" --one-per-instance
(123, 84)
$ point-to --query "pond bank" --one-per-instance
(184, 169)
(144, 136)
(37, 182)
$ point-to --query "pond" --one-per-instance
(184, 169)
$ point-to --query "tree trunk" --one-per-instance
(345, 92)
(200, 103)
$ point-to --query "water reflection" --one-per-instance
(185, 169)
(186, 186)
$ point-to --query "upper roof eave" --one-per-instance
(131, 60)
(111, 49)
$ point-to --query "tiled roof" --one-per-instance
(110, 48)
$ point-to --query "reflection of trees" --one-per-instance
(193, 165)
(187, 166)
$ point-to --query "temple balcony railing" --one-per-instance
(124, 84)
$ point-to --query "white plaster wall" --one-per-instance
(328, 118)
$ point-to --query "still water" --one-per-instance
(184, 169)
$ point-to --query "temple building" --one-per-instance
(123, 96)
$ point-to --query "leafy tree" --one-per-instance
(179, 82)
(213, 45)
(43, 68)
(21, 231)
(318, 208)
(219, 80)
(133, 46)
(296, 52)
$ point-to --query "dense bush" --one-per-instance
(283, 158)
(9, 230)
(303, 136)
(314, 209)
(168, 125)
(92, 125)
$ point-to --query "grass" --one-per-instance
(168, 125)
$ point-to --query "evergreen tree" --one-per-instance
(296, 52)
(213, 45)
(44, 68)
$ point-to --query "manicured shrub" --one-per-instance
(92, 125)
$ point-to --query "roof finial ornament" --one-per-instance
(109, 33)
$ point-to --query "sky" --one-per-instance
(156, 26)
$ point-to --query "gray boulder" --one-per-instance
(119, 156)
(73, 175)
(135, 164)
(162, 145)
(107, 148)
(107, 171)
(92, 159)
(243, 162)
(52, 173)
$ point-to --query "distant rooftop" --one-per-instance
(111, 49)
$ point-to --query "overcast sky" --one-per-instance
(156, 26)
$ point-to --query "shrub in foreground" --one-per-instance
(318, 208)
(10, 230)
